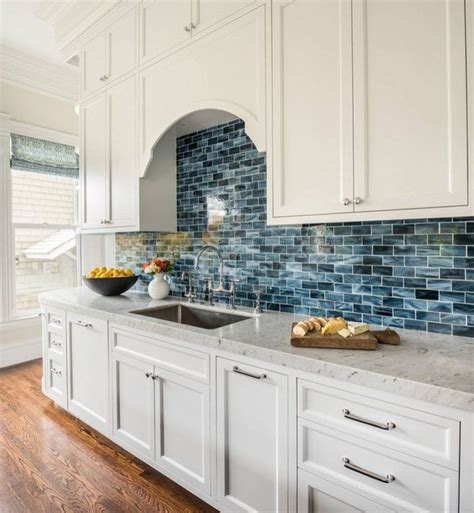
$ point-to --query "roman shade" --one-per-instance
(40, 156)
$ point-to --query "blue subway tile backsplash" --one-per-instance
(416, 274)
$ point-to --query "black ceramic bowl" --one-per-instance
(110, 286)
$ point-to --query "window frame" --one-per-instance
(8, 271)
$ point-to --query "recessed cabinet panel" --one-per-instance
(55, 384)
(122, 45)
(133, 404)
(252, 429)
(410, 104)
(88, 370)
(316, 495)
(207, 13)
(164, 25)
(123, 171)
(312, 79)
(93, 65)
(182, 414)
(94, 162)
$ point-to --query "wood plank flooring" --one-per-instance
(51, 462)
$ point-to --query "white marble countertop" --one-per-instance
(426, 366)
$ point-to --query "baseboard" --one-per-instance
(18, 353)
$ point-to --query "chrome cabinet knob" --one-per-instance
(187, 28)
(346, 201)
(149, 374)
(358, 200)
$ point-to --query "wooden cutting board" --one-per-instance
(315, 339)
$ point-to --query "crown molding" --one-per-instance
(24, 70)
(72, 19)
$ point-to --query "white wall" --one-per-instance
(38, 109)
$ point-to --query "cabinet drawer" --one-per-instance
(417, 485)
(55, 321)
(55, 380)
(162, 352)
(318, 495)
(56, 345)
(416, 433)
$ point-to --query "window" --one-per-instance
(44, 185)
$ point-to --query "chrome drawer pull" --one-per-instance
(249, 374)
(389, 478)
(149, 374)
(386, 427)
(56, 344)
(85, 324)
(56, 371)
(56, 321)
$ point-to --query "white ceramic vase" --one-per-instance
(158, 288)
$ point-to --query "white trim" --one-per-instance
(47, 134)
(23, 341)
(13, 354)
(33, 73)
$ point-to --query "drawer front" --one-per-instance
(318, 495)
(162, 353)
(55, 381)
(408, 482)
(415, 433)
(56, 345)
(55, 321)
(96, 325)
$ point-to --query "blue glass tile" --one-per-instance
(436, 327)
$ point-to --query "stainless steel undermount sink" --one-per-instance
(191, 316)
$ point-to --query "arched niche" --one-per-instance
(157, 184)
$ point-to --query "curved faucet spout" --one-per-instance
(218, 252)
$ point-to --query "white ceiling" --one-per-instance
(22, 30)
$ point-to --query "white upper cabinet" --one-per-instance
(206, 13)
(410, 141)
(369, 110)
(93, 162)
(93, 65)
(164, 25)
(312, 109)
(252, 445)
(110, 55)
(109, 177)
(123, 166)
(122, 37)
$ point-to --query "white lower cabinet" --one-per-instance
(88, 377)
(163, 416)
(133, 404)
(252, 444)
(55, 380)
(317, 495)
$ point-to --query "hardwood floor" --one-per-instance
(52, 462)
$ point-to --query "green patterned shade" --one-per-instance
(39, 156)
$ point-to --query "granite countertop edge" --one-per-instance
(381, 370)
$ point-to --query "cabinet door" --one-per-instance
(410, 138)
(183, 428)
(164, 25)
(93, 162)
(316, 495)
(207, 13)
(88, 370)
(122, 46)
(252, 445)
(312, 170)
(93, 65)
(133, 405)
(122, 136)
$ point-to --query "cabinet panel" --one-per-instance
(88, 370)
(183, 427)
(316, 495)
(133, 404)
(122, 135)
(94, 162)
(416, 486)
(312, 77)
(55, 384)
(122, 46)
(252, 430)
(93, 65)
(164, 25)
(410, 104)
(207, 13)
